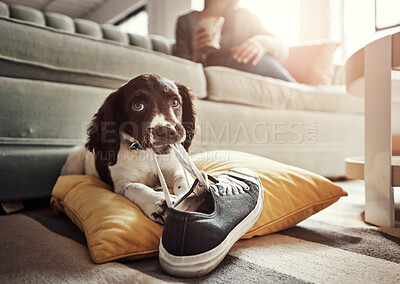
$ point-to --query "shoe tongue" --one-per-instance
(198, 199)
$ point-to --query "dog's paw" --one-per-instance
(159, 214)
(161, 207)
(152, 204)
(158, 218)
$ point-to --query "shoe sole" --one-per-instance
(201, 264)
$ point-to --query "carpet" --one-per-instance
(333, 246)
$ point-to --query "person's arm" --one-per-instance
(183, 44)
(188, 46)
(261, 42)
(200, 40)
(273, 46)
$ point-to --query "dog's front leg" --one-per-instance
(151, 202)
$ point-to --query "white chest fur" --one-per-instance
(138, 166)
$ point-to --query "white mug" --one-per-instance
(213, 26)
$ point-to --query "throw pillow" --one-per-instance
(311, 64)
(115, 228)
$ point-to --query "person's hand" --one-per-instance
(200, 40)
(251, 50)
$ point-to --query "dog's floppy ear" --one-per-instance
(188, 114)
(103, 132)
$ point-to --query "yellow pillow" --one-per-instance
(115, 228)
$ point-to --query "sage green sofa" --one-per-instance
(54, 74)
(56, 71)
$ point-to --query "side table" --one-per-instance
(370, 73)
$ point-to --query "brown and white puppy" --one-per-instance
(154, 112)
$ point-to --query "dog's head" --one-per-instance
(151, 109)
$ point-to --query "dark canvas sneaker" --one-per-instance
(203, 225)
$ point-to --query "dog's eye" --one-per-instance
(137, 106)
(175, 103)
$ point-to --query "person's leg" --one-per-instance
(268, 66)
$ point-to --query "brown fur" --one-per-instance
(116, 116)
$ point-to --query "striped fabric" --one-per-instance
(333, 246)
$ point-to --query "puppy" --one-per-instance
(146, 114)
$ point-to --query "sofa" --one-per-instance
(56, 71)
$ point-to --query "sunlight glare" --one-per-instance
(281, 18)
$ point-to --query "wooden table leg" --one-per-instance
(379, 201)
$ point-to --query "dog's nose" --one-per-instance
(164, 133)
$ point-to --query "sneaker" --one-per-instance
(203, 225)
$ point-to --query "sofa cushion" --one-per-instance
(161, 44)
(229, 85)
(141, 41)
(35, 112)
(4, 11)
(113, 33)
(29, 51)
(89, 28)
(312, 63)
(27, 14)
(59, 21)
(315, 141)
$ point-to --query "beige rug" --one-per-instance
(333, 246)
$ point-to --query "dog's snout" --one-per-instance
(164, 133)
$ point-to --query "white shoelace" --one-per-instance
(229, 185)
(226, 185)
(186, 162)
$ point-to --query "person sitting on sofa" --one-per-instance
(245, 44)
